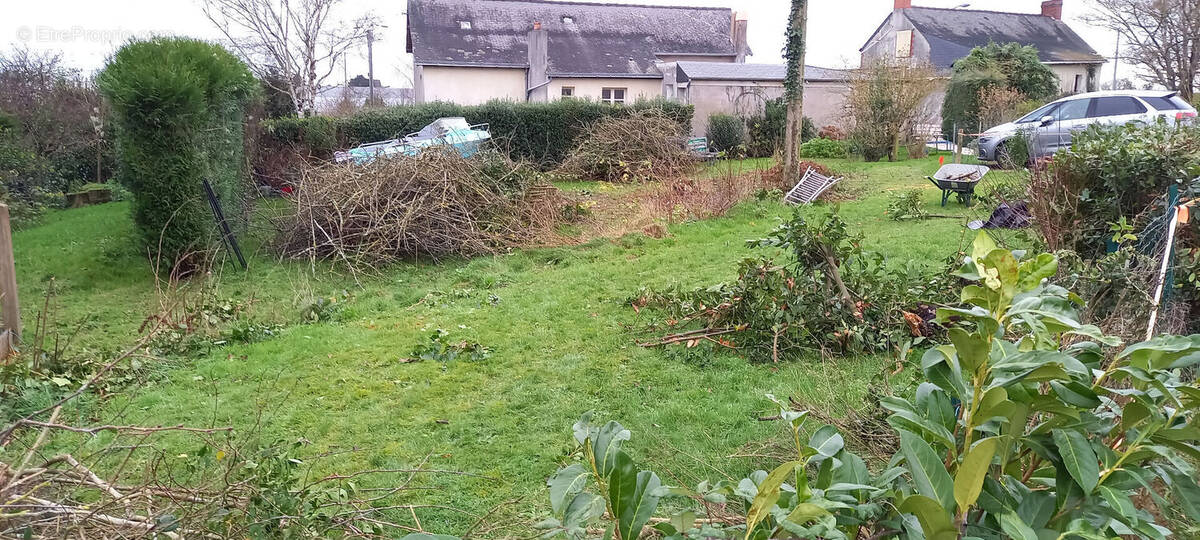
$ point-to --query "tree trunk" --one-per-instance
(795, 104)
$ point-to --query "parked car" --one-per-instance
(451, 131)
(1050, 127)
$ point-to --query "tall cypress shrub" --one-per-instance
(179, 109)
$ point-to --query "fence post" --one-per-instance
(10, 308)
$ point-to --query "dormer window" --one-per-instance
(567, 19)
(464, 25)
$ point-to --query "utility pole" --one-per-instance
(1116, 60)
(371, 66)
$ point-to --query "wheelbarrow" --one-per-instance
(958, 179)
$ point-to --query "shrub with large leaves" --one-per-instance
(1031, 427)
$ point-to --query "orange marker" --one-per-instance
(941, 160)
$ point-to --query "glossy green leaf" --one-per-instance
(968, 481)
(1118, 501)
(1161, 351)
(768, 495)
(1033, 271)
(1187, 494)
(928, 472)
(1015, 528)
(1078, 457)
(972, 349)
(631, 495)
(1075, 393)
(826, 441)
(565, 484)
(606, 446)
(936, 521)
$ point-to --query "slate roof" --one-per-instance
(952, 33)
(722, 71)
(585, 39)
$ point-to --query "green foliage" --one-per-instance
(603, 480)
(1019, 432)
(907, 205)
(543, 133)
(1010, 65)
(830, 295)
(726, 132)
(438, 348)
(178, 105)
(823, 148)
(1119, 171)
(793, 51)
(765, 130)
(25, 179)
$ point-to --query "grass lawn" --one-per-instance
(555, 318)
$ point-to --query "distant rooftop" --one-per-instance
(952, 33)
(584, 38)
(726, 71)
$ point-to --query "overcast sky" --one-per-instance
(88, 31)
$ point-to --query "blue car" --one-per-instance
(453, 131)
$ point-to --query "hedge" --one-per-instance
(178, 106)
(543, 133)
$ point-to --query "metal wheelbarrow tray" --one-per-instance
(959, 179)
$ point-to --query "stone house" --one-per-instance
(473, 51)
(939, 37)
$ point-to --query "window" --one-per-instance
(1036, 116)
(612, 95)
(464, 25)
(1116, 106)
(1072, 110)
(1167, 103)
(904, 40)
(568, 91)
(1078, 82)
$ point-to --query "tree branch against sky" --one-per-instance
(299, 41)
(1161, 38)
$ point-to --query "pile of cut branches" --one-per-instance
(827, 296)
(434, 205)
(641, 147)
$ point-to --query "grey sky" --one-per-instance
(87, 31)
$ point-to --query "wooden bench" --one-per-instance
(698, 147)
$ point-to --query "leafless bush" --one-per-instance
(643, 146)
(435, 204)
(999, 104)
(887, 103)
(1054, 204)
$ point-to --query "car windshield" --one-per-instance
(1038, 114)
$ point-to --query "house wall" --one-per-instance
(883, 44)
(469, 85)
(590, 87)
(823, 101)
(1066, 77)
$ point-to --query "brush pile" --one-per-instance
(641, 147)
(432, 205)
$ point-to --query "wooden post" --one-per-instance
(10, 308)
(958, 142)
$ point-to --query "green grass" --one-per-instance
(560, 335)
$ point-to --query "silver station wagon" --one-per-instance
(1049, 129)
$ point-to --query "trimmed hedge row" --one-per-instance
(543, 133)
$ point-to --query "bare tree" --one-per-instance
(1162, 37)
(298, 40)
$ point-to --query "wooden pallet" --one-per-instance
(811, 186)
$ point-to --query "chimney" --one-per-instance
(1052, 8)
(740, 45)
(903, 4)
(537, 78)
